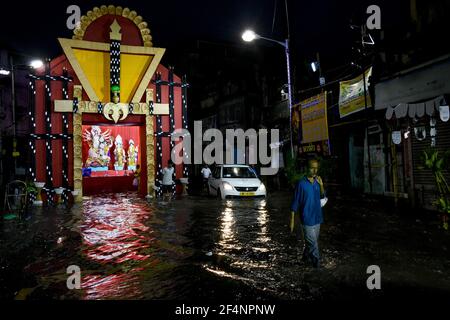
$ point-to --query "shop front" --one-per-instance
(415, 106)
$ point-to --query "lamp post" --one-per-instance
(34, 64)
(249, 36)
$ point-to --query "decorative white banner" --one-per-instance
(420, 133)
(396, 137)
(444, 113)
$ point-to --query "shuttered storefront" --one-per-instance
(423, 179)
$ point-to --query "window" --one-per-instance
(216, 174)
(238, 172)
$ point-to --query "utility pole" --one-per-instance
(369, 164)
(286, 46)
(13, 107)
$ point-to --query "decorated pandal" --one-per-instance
(103, 107)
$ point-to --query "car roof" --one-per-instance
(234, 165)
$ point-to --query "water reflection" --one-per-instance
(114, 286)
(263, 219)
(244, 238)
(128, 248)
(227, 235)
(114, 232)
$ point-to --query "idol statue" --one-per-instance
(99, 145)
(132, 155)
(119, 153)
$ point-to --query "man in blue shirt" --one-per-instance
(308, 192)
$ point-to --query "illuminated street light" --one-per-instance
(249, 36)
(36, 64)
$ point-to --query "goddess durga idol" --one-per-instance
(99, 145)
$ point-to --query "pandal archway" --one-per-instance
(110, 73)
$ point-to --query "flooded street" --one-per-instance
(207, 249)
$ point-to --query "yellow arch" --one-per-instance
(97, 12)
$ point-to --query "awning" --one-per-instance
(415, 110)
(421, 83)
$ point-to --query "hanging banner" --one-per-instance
(420, 133)
(351, 95)
(314, 119)
(296, 121)
(396, 137)
(444, 113)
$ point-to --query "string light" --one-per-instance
(184, 86)
(75, 105)
(99, 107)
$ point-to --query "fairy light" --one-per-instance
(172, 119)
(158, 178)
(48, 136)
(99, 107)
(32, 140)
(184, 86)
(151, 108)
(75, 105)
(131, 108)
(114, 61)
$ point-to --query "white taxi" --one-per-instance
(228, 181)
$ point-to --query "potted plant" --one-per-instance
(293, 171)
(437, 162)
(32, 192)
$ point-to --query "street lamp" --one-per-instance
(315, 65)
(249, 36)
(34, 64)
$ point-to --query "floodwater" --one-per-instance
(213, 250)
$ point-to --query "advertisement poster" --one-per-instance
(351, 95)
(314, 118)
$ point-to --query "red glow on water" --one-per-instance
(114, 233)
(110, 287)
(113, 230)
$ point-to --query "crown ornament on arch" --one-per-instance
(107, 90)
(96, 12)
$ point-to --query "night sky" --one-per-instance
(320, 25)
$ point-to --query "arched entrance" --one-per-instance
(111, 77)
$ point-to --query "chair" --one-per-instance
(16, 196)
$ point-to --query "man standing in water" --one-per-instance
(206, 172)
(167, 182)
(308, 192)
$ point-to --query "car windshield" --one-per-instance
(238, 172)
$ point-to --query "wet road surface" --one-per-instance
(212, 250)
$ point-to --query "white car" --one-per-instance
(235, 181)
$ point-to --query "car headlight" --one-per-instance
(227, 186)
(262, 187)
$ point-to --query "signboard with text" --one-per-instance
(351, 95)
(314, 118)
(319, 147)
